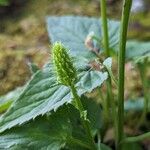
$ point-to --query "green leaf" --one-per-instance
(72, 31)
(89, 80)
(6, 100)
(137, 49)
(33, 67)
(104, 147)
(108, 63)
(53, 131)
(143, 59)
(94, 117)
(43, 133)
(134, 105)
(42, 94)
(93, 112)
(76, 147)
(10, 96)
(77, 129)
(131, 146)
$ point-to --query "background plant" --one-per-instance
(43, 94)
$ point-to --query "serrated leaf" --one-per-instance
(43, 133)
(42, 94)
(51, 132)
(93, 116)
(72, 31)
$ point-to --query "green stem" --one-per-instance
(142, 69)
(84, 122)
(106, 48)
(105, 116)
(113, 107)
(121, 67)
(137, 138)
(104, 27)
(109, 98)
(99, 142)
(112, 77)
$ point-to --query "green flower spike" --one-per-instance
(65, 70)
(67, 76)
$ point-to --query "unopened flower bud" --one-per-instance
(65, 70)
(90, 43)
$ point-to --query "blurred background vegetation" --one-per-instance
(24, 39)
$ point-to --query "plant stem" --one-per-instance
(109, 98)
(105, 116)
(104, 105)
(113, 107)
(104, 27)
(84, 122)
(99, 141)
(112, 77)
(142, 69)
(106, 48)
(121, 67)
(137, 138)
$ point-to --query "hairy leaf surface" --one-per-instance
(43, 94)
(52, 131)
(72, 31)
(42, 133)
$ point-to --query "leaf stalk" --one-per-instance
(104, 27)
(136, 138)
(85, 123)
(142, 69)
(109, 98)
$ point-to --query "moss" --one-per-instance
(14, 70)
(23, 36)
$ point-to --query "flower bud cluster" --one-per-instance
(65, 70)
